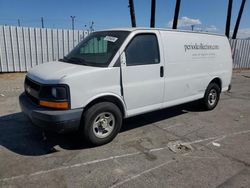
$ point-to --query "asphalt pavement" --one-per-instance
(181, 146)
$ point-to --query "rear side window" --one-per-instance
(143, 50)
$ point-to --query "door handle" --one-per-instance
(161, 71)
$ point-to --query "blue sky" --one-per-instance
(209, 15)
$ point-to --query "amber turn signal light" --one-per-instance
(59, 105)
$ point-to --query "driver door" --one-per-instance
(143, 74)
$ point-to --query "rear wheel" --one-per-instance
(211, 97)
(101, 123)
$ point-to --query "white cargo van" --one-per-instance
(119, 73)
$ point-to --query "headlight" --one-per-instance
(59, 93)
(55, 96)
(54, 93)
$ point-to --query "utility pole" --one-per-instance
(73, 22)
(176, 14)
(152, 20)
(91, 27)
(42, 22)
(132, 12)
(229, 12)
(238, 19)
(18, 22)
(192, 27)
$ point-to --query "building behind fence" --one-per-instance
(22, 48)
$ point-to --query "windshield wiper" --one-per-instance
(77, 60)
(64, 59)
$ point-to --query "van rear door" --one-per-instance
(143, 74)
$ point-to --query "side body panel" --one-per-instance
(86, 87)
(86, 83)
(192, 60)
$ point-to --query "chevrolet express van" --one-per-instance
(119, 73)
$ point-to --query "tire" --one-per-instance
(101, 123)
(211, 97)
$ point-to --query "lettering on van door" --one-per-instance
(201, 51)
(200, 46)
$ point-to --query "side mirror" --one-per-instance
(123, 59)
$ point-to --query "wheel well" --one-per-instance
(111, 99)
(218, 82)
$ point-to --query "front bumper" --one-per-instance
(50, 119)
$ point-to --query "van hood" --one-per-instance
(56, 71)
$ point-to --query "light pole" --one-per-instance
(73, 22)
(42, 22)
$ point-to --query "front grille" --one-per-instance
(30, 83)
(32, 90)
(33, 99)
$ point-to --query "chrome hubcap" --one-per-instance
(103, 124)
(212, 97)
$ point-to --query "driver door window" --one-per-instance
(142, 50)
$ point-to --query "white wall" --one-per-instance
(22, 47)
(241, 53)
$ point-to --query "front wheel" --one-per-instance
(101, 123)
(211, 97)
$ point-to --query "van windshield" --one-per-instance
(97, 49)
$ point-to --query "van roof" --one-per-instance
(159, 29)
